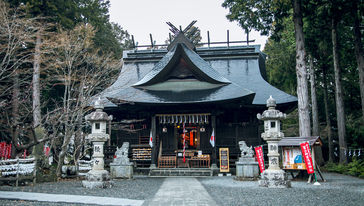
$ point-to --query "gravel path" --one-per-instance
(338, 190)
(139, 188)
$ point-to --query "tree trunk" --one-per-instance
(62, 154)
(302, 83)
(15, 129)
(36, 85)
(359, 52)
(340, 113)
(327, 116)
(315, 120)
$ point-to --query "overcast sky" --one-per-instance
(143, 17)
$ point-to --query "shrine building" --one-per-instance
(183, 94)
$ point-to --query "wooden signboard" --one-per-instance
(224, 159)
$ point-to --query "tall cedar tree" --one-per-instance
(267, 16)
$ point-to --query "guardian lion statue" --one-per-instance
(245, 150)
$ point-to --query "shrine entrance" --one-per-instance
(183, 141)
(189, 137)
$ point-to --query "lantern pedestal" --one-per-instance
(274, 179)
(97, 179)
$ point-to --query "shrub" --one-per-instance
(354, 168)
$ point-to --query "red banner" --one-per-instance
(2, 147)
(9, 151)
(260, 157)
(46, 150)
(305, 148)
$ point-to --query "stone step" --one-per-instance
(180, 172)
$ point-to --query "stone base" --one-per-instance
(121, 171)
(274, 179)
(247, 168)
(97, 179)
(97, 184)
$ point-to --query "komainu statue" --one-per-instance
(122, 155)
(121, 167)
(245, 150)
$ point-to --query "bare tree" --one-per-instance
(17, 34)
(82, 72)
(36, 83)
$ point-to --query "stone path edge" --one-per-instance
(60, 198)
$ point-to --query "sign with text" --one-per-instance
(292, 158)
(260, 158)
(305, 149)
(224, 159)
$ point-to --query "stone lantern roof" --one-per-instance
(271, 113)
(99, 114)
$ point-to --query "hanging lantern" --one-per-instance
(202, 129)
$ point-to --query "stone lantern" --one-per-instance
(274, 176)
(98, 176)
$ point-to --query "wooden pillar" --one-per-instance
(154, 149)
(213, 125)
(109, 140)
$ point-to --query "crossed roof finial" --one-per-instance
(176, 31)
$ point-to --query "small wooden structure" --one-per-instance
(291, 153)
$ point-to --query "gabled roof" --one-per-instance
(199, 67)
(234, 73)
(296, 141)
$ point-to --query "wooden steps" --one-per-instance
(165, 172)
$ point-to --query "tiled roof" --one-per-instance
(238, 71)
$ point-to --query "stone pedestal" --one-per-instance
(274, 179)
(121, 171)
(247, 168)
(97, 179)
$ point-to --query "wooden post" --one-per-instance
(154, 149)
(228, 41)
(109, 140)
(132, 39)
(17, 172)
(151, 40)
(35, 172)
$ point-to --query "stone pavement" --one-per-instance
(31, 196)
(181, 191)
